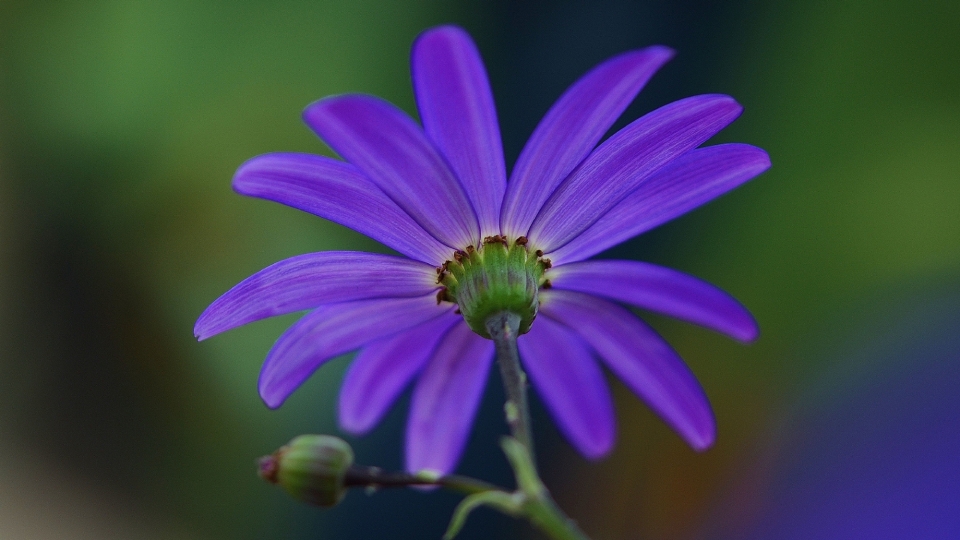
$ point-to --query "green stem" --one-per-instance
(531, 500)
(537, 504)
(504, 329)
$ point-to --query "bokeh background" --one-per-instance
(121, 123)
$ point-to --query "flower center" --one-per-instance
(499, 276)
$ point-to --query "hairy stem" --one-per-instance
(531, 500)
(504, 329)
(375, 477)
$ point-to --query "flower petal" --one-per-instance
(641, 359)
(571, 129)
(383, 369)
(691, 180)
(339, 192)
(445, 400)
(389, 147)
(571, 385)
(334, 329)
(458, 115)
(659, 289)
(624, 160)
(307, 281)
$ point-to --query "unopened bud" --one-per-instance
(310, 468)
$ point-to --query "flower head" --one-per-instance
(475, 243)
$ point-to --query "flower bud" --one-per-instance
(310, 468)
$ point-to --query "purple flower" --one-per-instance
(440, 195)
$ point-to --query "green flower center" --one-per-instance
(499, 276)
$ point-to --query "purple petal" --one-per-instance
(334, 329)
(307, 281)
(389, 147)
(571, 129)
(445, 400)
(624, 160)
(693, 179)
(659, 289)
(383, 369)
(339, 192)
(571, 385)
(641, 359)
(458, 115)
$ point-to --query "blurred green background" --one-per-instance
(121, 123)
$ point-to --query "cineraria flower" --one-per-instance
(477, 244)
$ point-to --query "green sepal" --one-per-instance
(498, 277)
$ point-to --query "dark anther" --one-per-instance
(495, 239)
(458, 255)
(471, 249)
(441, 295)
(521, 240)
(539, 253)
(546, 264)
(439, 270)
(546, 284)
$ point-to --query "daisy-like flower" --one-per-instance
(477, 244)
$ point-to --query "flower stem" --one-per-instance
(504, 329)
(375, 477)
(531, 500)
